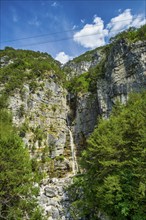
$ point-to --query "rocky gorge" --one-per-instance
(55, 123)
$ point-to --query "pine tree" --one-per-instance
(115, 163)
(16, 178)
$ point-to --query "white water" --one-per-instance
(74, 159)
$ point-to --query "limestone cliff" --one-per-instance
(41, 118)
(39, 109)
(124, 72)
(48, 116)
(83, 63)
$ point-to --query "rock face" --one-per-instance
(41, 115)
(51, 121)
(86, 118)
(82, 63)
(54, 198)
(126, 72)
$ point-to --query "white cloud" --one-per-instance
(92, 35)
(62, 57)
(124, 21)
(34, 22)
(74, 27)
(54, 4)
(15, 18)
(14, 15)
(83, 21)
(138, 21)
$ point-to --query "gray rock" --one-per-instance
(126, 72)
(46, 116)
(52, 202)
(50, 192)
(55, 213)
(43, 200)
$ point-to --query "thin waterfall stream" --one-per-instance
(73, 153)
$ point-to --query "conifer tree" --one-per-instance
(115, 163)
(17, 199)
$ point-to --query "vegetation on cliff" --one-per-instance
(17, 191)
(114, 161)
(87, 82)
(115, 177)
(20, 66)
(131, 35)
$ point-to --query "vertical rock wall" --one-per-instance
(41, 116)
(126, 72)
(86, 118)
(45, 118)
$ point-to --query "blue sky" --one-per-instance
(66, 29)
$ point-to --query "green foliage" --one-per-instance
(45, 155)
(115, 178)
(88, 56)
(87, 82)
(60, 157)
(33, 86)
(27, 66)
(79, 198)
(16, 178)
(131, 35)
(79, 84)
(21, 110)
(49, 93)
(3, 100)
(23, 129)
(54, 107)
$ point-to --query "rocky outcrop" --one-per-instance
(5, 61)
(39, 110)
(125, 73)
(54, 198)
(83, 63)
(53, 123)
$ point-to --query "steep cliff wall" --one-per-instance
(125, 73)
(83, 63)
(41, 118)
(48, 117)
(87, 112)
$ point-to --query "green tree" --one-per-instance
(115, 163)
(131, 35)
(17, 194)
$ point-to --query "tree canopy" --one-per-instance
(17, 191)
(115, 165)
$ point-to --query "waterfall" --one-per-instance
(73, 153)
